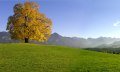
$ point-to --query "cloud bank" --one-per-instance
(116, 24)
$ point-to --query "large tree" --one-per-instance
(28, 23)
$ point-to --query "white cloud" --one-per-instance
(116, 24)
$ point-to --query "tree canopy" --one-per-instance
(28, 23)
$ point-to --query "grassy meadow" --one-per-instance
(47, 58)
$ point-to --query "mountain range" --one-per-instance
(57, 39)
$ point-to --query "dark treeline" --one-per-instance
(106, 50)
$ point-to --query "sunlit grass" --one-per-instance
(46, 58)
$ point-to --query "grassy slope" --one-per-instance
(36, 58)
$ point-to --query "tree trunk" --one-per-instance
(26, 40)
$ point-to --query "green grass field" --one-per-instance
(46, 58)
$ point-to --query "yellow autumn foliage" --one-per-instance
(29, 23)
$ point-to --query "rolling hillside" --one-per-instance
(57, 39)
(48, 58)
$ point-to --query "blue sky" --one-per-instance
(75, 18)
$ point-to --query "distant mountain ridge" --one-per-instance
(5, 38)
(116, 44)
(57, 39)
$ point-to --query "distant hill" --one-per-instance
(115, 44)
(5, 38)
(80, 42)
(57, 39)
